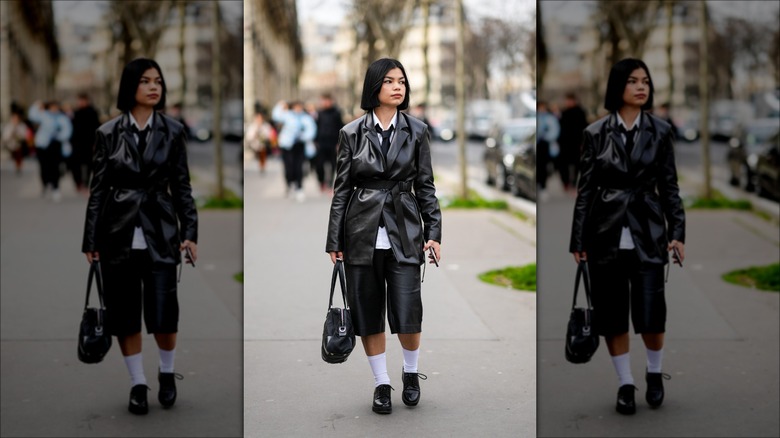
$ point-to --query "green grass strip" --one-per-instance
(758, 277)
(516, 277)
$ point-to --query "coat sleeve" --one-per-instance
(425, 191)
(342, 191)
(669, 192)
(586, 189)
(97, 193)
(181, 191)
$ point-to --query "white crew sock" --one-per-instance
(410, 360)
(622, 365)
(654, 360)
(379, 368)
(135, 366)
(166, 360)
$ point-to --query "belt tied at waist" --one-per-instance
(395, 188)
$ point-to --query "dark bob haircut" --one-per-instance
(131, 77)
(373, 83)
(616, 85)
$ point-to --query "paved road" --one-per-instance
(46, 391)
(721, 344)
(479, 340)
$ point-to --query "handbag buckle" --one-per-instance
(586, 330)
(342, 330)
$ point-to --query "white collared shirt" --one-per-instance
(382, 239)
(626, 240)
(139, 241)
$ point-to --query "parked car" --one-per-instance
(483, 115)
(767, 172)
(508, 143)
(523, 175)
(744, 148)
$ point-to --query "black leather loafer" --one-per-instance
(655, 388)
(411, 392)
(625, 400)
(138, 404)
(382, 402)
(167, 393)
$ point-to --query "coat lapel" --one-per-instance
(645, 133)
(155, 138)
(127, 133)
(370, 133)
(399, 139)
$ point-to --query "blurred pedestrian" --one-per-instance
(86, 121)
(383, 217)
(664, 113)
(52, 143)
(628, 216)
(329, 123)
(298, 128)
(140, 216)
(572, 122)
(421, 113)
(176, 112)
(547, 149)
(259, 137)
(17, 137)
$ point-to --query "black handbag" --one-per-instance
(338, 334)
(94, 340)
(581, 340)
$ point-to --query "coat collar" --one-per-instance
(399, 139)
(646, 131)
(159, 128)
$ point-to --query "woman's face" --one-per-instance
(637, 89)
(149, 89)
(393, 89)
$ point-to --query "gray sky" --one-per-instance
(332, 11)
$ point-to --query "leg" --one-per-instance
(374, 344)
(123, 315)
(649, 314)
(298, 159)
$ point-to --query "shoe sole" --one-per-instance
(626, 411)
(382, 410)
(411, 404)
(138, 410)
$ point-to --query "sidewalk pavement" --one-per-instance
(721, 345)
(46, 391)
(479, 340)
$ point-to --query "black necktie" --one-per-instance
(385, 137)
(142, 134)
(629, 138)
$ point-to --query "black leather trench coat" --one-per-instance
(639, 191)
(359, 201)
(127, 189)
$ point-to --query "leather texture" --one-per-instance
(166, 395)
(616, 189)
(411, 393)
(355, 210)
(127, 189)
(626, 404)
(383, 403)
(655, 389)
(139, 404)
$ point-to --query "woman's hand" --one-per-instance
(680, 247)
(193, 248)
(336, 255)
(436, 249)
(581, 256)
(92, 256)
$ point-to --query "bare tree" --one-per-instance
(669, 8)
(139, 25)
(461, 96)
(704, 96)
(387, 21)
(182, 10)
(426, 16)
(216, 99)
(630, 21)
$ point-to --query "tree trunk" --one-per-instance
(460, 97)
(426, 11)
(182, 5)
(216, 99)
(669, 61)
(541, 51)
(704, 88)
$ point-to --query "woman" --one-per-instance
(52, 143)
(298, 128)
(627, 187)
(384, 216)
(140, 187)
(16, 137)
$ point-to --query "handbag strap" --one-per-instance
(338, 271)
(582, 271)
(94, 271)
